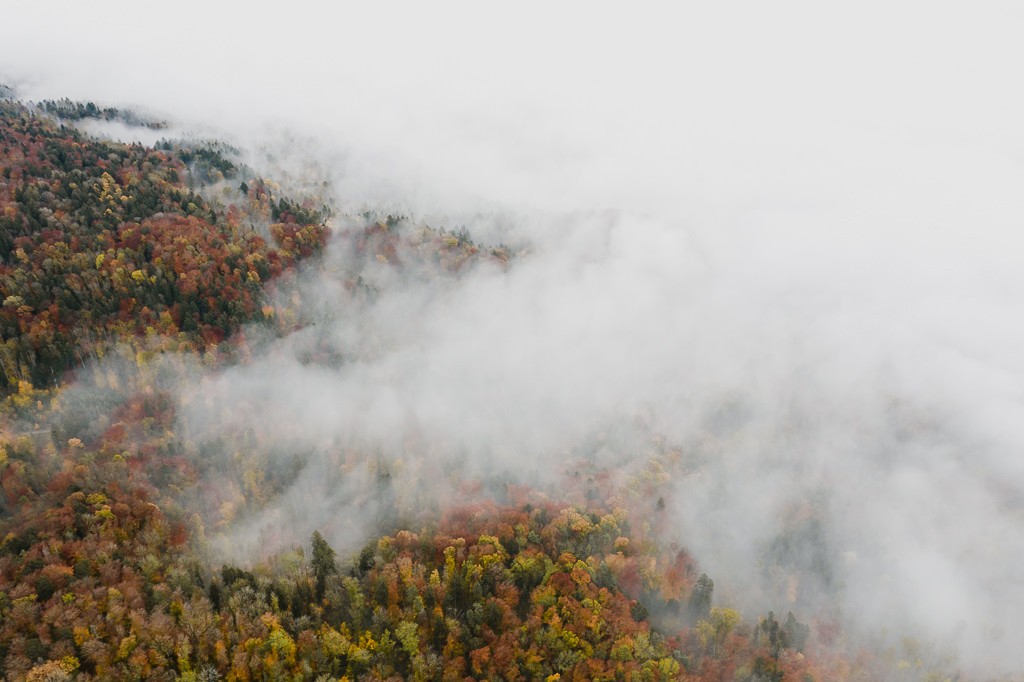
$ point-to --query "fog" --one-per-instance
(785, 240)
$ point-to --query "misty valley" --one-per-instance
(247, 435)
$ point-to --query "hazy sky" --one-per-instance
(810, 216)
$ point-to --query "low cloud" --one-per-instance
(784, 241)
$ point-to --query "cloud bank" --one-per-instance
(785, 239)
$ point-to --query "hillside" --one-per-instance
(127, 272)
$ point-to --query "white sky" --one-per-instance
(577, 105)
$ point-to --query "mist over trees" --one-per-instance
(190, 488)
(106, 254)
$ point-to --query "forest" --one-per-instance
(126, 270)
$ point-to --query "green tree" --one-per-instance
(324, 564)
(700, 599)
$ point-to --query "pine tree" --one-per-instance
(323, 563)
(700, 599)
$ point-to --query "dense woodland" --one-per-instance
(170, 258)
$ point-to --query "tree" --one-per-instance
(323, 563)
(700, 599)
(796, 632)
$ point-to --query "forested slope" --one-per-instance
(159, 258)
